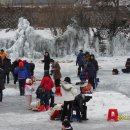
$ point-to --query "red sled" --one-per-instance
(56, 115)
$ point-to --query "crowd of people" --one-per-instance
(21, 70)
(23, 73)
(51, 84)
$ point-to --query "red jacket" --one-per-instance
(47, 83)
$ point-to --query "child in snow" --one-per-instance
(22, 76)
(28, 92)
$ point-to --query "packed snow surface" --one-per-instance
(112, 92)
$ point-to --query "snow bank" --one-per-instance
(102, 101)
(11, 92)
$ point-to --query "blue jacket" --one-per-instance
(22, 73)
(79, 60)
(27, 66)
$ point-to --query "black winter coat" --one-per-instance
(7, 65)
(2, 79)
(0, 62)
(32, 67)
(91, 70)
(46, 62)
(78, 102)
(95, 63)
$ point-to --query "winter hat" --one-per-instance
(81, 50)
(28, 81)
(66, 123)
(21, 64)
(67, 79)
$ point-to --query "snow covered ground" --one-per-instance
(113, 92)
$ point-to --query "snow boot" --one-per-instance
(58, 91)
(47, 107)
(41, 108)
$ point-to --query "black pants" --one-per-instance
(67, 110)
(45, 98)
(52, 99)
(22, 86)
(91, 81)
(6, 76)
(81, 115)
(79, 69)
(15, 78)
(57, 82)
(1, 95)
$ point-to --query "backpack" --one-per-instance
(40, 92)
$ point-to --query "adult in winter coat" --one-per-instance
(22, 76)
(68, 95)
(47, 84)
(57, 75)
(91, 74)
(3, 54)
(15, 64)
(80, 61)
(1, 83)
(94, 61)
(7, 68)
(46, 61)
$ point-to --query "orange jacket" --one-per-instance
(87, 88)
(3, 55)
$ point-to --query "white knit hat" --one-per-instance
(28, 81)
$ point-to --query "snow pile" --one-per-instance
(11, 92)
(101, 102)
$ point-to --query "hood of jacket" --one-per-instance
(66, 86)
